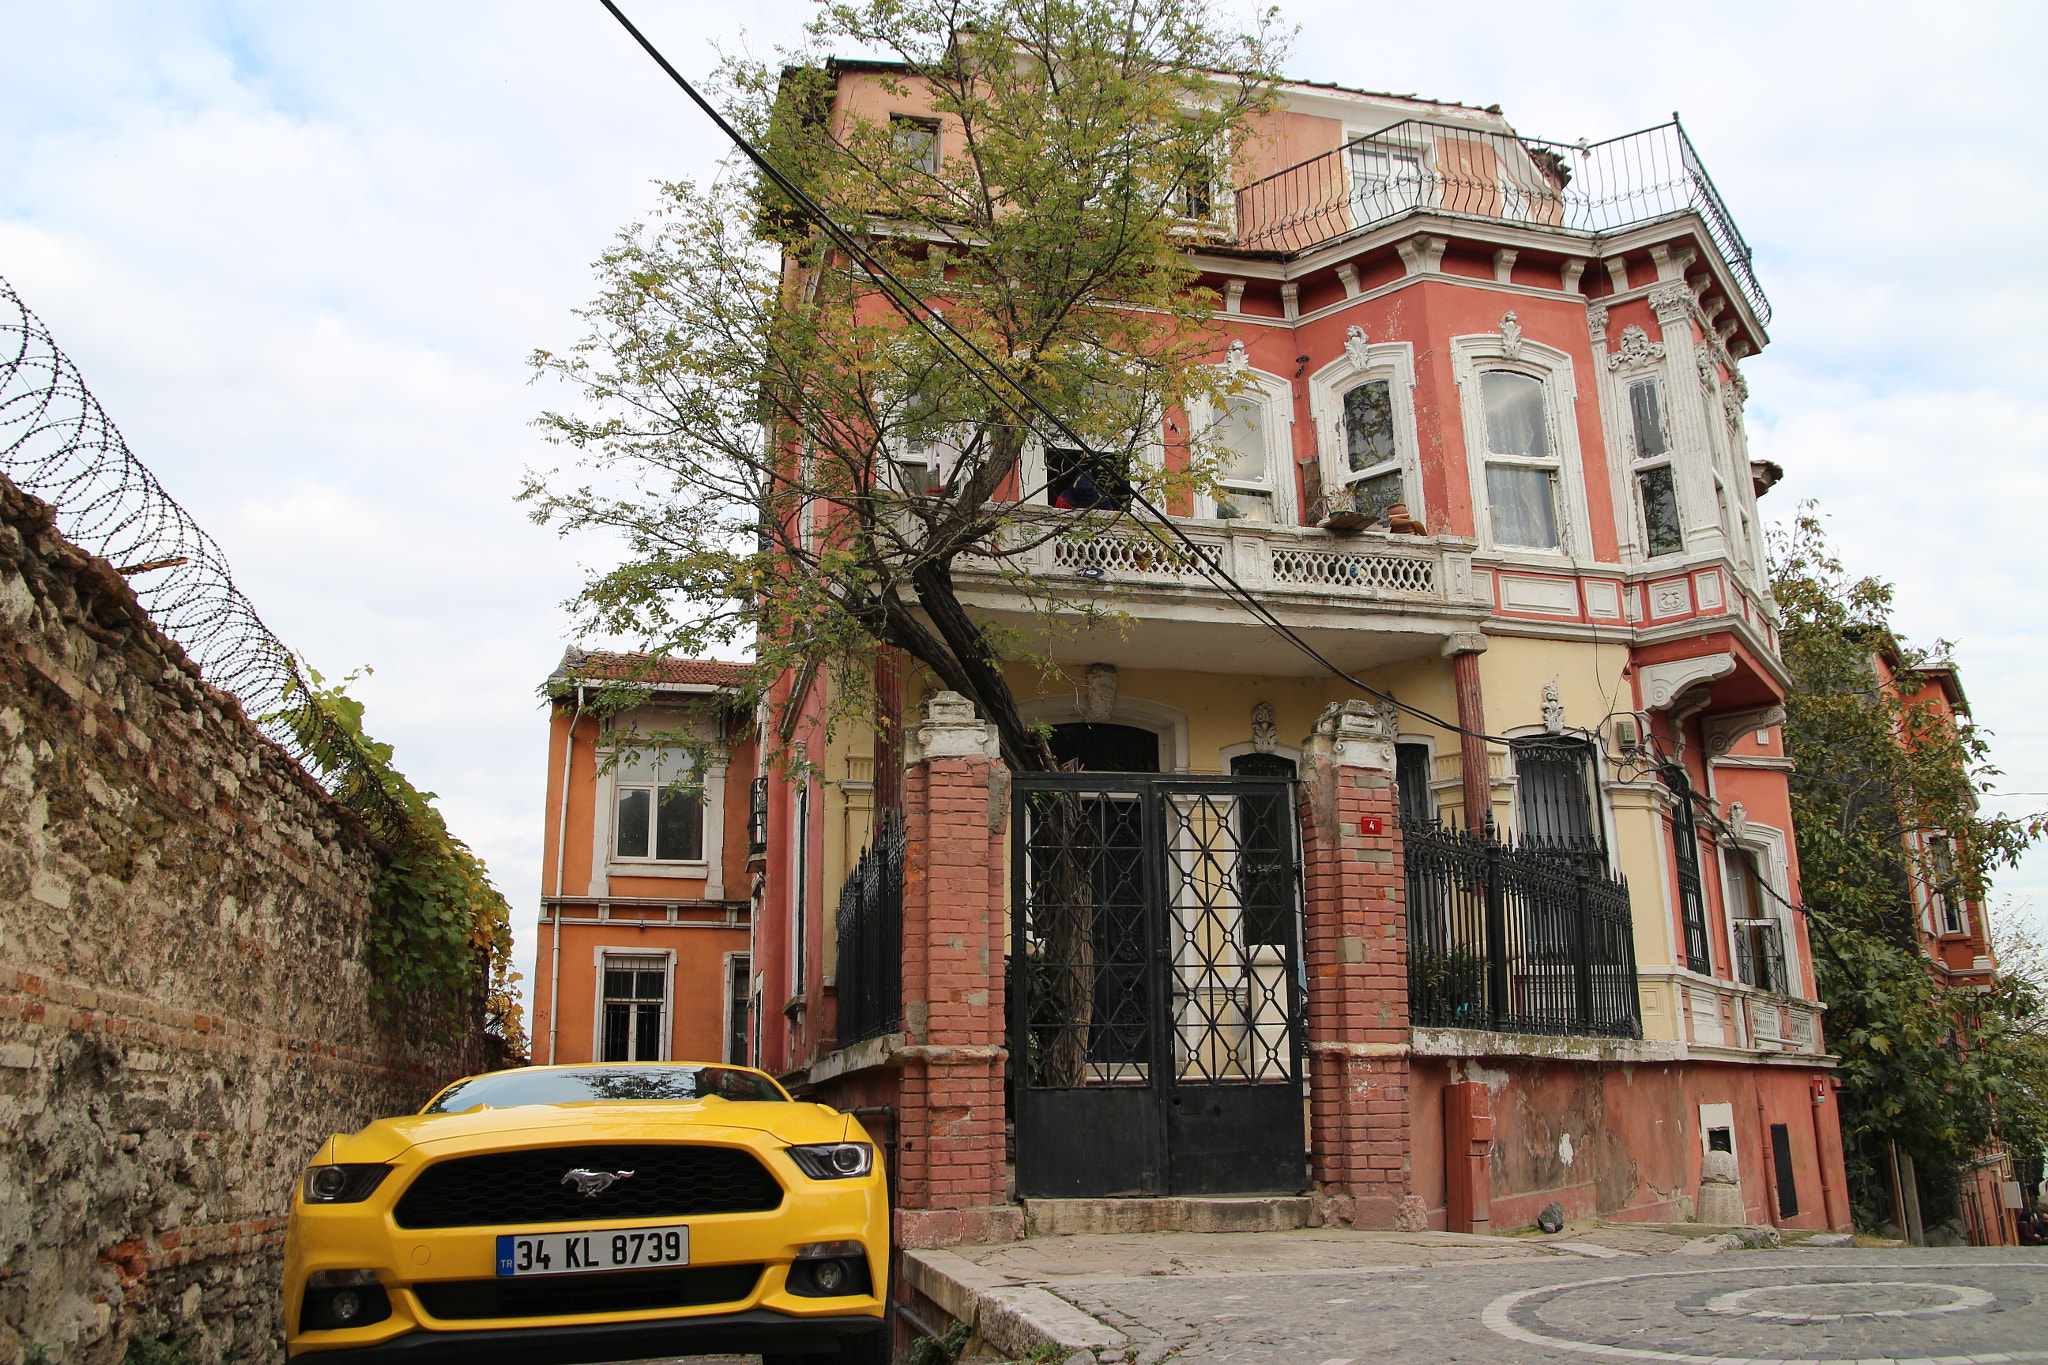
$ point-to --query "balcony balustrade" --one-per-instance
(1588, 189)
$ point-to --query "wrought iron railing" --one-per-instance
(1516, 940)
(869, 976)
(1594, 188)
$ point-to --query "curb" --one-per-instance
(1014, 1319)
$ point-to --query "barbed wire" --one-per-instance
(57, 443)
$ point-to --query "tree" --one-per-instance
(752, 397)
(1935, 1069)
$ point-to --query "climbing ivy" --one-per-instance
(440, 924)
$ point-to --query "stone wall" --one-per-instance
(185, 1009)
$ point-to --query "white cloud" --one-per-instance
(300, 253)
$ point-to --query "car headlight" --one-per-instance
(343, 1184)
(834, 1160)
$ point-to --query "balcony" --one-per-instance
(1363, 601)
(1588, 189)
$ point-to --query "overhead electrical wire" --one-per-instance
(934, 323)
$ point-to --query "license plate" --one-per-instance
(579, 1253)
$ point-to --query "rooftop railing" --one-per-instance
(1595, 188)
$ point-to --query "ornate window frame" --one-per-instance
(1362, 360)
(1276, 395)
(1508, 350)
(1769, 844)
(707, 866)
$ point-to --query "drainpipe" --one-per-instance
(1478, 777)
(1820, 1158)
(1763, 1128)
(561, 861)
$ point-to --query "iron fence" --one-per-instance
(869, 976)
(1595, 188)
(1516, 939)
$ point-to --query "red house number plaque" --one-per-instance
(1369, 825)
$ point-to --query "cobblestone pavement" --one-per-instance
(1835, 1306)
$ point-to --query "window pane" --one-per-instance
(1411, 775)
(1369, 424)
(1241, 431)
(1514, 415)
(1660, 511)
(917, 144)
(632, 824)
(618, 1020)
(648, 985)
(1238, 506)
(679, 828)
(1073, 479)
(1524, 506)
(1373, 496)
(647, 1033)
(1649, 422)
(1550, 786)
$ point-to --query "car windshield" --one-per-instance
(506, 1089)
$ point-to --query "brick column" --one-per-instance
(950, 1170)
(1356, 944)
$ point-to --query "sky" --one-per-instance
(301, 253)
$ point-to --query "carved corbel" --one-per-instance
(1347, 275)
(1617, 271)
(1568, 274)
(1664, 683)
(1721, 732)
(1233, 296)
(1673, 302)
(1290, 300)
(1504, 266)
(1422, 254)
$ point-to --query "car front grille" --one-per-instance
(505, 1189)
(616, 1291)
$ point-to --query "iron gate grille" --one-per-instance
(1155, 985)
(870, 968)
(1516, 940)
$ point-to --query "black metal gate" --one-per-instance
(1155, 987)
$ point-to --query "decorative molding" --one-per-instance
(1099, 702)
(1617, 272)
(1510, 336)
(1672, 301)
(1705, 362)
(1290, 300)
(1356, 733)
(1422, 254)
(1665, 683)
(1504, 266)
(1596, 320)
(1236, 360)
(1721, 732)
(1233, 296)
(1357, 346)
(1265, 729)
(1553, 709)
(1636, 349)
(1347, 275)
(1568, 274)
(951, 729)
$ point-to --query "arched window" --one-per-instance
(1104, 748)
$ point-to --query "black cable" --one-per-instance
(930, 320)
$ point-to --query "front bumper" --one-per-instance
(741, 1333)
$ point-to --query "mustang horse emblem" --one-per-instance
(590, 1184)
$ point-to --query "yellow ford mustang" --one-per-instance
(616, 1211)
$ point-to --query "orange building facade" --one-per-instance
(645, 922)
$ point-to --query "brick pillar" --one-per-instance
(1356, 944)
(950, 1171)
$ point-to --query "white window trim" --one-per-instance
(1276, 395)
(668, 993)
(1393, 361)
(1553, 369)
(1170, 723)
(725, 984)
(1238, 750)
(709, 867)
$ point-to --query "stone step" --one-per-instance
(1257, 1213)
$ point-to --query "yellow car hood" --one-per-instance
(593, 1121)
